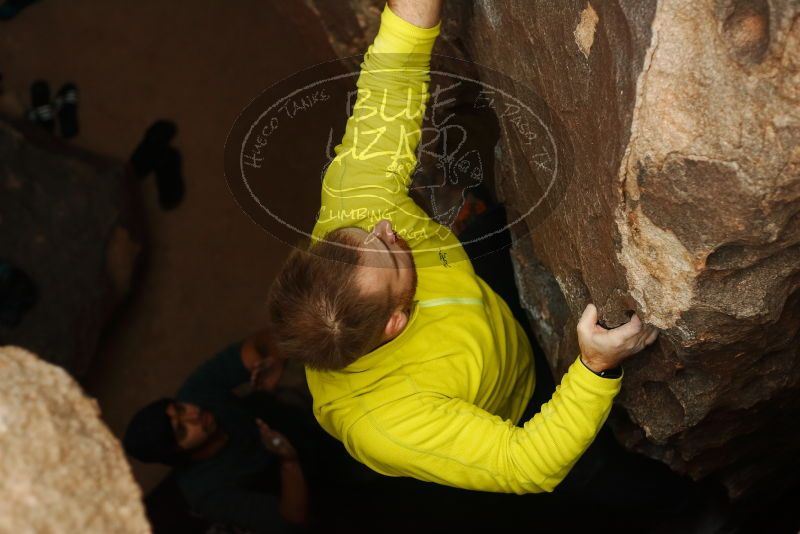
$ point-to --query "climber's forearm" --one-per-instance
(421, 13)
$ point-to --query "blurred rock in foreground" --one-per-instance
(61, 469)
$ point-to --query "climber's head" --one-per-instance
(345, 296)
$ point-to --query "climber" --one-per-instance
(227, 460)
(415, 364)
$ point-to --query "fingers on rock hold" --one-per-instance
(588, 318)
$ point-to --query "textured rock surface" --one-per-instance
(676, 159)
(61, 470)
(67, 220)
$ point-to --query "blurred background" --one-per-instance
(197, 64)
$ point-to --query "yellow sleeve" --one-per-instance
(368, 180)
(453, 442)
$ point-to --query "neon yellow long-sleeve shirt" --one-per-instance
(439, 402)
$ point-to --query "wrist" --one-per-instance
(425, 19)
(592, 364)
(601, 368)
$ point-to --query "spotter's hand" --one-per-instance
(275, 442)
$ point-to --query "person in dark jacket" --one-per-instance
(231, 467)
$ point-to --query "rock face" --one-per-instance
(67, 221)
(664, 167)
(61, 470)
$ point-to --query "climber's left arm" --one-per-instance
(370, 176)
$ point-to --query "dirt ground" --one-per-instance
(197, 63)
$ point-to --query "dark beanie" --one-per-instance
(149, 436)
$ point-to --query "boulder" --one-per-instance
(659, 173)
(61, 470)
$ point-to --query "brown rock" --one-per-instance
(61, 469)
(682, 204)
(664, 164)
(350, 28)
